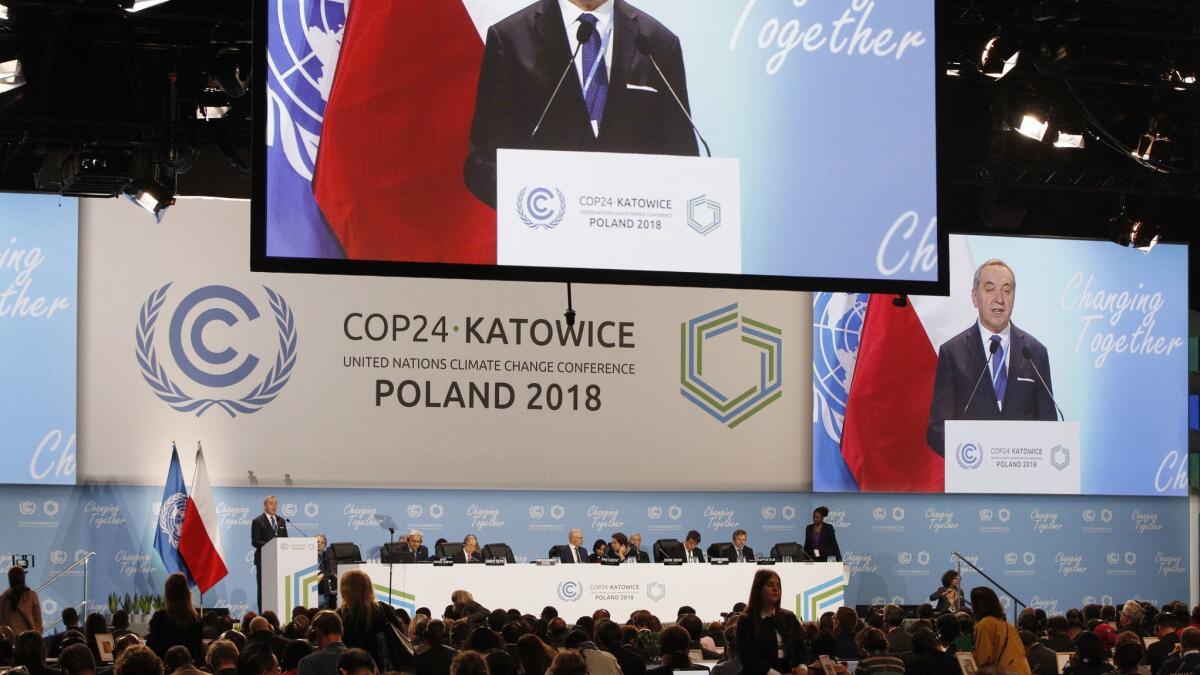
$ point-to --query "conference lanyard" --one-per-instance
(587, 84)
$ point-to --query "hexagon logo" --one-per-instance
(311, 510)
(436, 511)
(50, 507)
(1060, 457)
(656, 590)
(1130, 557)
(1004, 515)
(923, 558)
(674, 512)
(49, 606)
(898, 513)
(1028, 558)
(704, 214)
(758, 388)
(789, 512)
(1106, 600)
(557, 511)
(1106, 515)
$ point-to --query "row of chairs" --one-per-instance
(663, 550)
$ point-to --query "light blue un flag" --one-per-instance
(170, 519)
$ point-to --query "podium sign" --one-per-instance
(1013, 457)
(618, 211)
(289, 574)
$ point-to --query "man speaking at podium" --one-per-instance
(263, 529)
(992, 370)
(613, 100)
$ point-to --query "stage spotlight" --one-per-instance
(1153, 146)
(1033, 126)
(1068, 134)
(139, 5)
(151, 195)
(11, 75)
(999, 56)
(1133, 232)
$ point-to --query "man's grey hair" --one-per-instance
(269, 498)
(1134, 610)
(989, 263)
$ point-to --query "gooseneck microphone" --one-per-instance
(289, 522)
(643, 46)
(1028, 357)
(992, 347)
(582, 35)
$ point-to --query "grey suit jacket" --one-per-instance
(323, 662)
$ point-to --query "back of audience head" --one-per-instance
(874, 641)
(222, 654)
(500, 662)
(139, 660)
(29, 650)
(293, 652)
(355, 661)
(824, 644)
(924, 641)
(466, 663)
(257, 659)
(259, 624)
(1189, 639)
(237, 637)
(674, 643)
(176, 657)
(435, 633)
(483, 640)
(692, 624)
(986, 603)
(569, 662)
(533, 655)
(77, 660)
(1088, 647)
(845, 620)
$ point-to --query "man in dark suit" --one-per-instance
(627, 106)
(1188, 656)
(327, 583)
(741, 552)
(1164, 630)
(1042, 660)
(328, 627)
(263, 529)
(573, 552)
(414, 551)
(691, 548)
(1010, 387)
(635, 549)
(898, 639)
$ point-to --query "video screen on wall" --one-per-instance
(39, 250)
(757, 143)
(1054, 367)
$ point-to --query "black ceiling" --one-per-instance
(99, 77)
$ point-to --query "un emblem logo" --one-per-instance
(205, 354)
(570, 591)
(541, 207)
(837, 327)
(969, 456)
(304, 40)
(731, 385)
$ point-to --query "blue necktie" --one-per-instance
(597, 93)
(999, 371)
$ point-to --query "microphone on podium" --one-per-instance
(582, 35)
(643, 46)
(289, 522)
(1029, 357)
(992, 347)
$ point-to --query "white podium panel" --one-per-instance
(1013, 457)
(289, 574)
(576, 590)
(618, 211)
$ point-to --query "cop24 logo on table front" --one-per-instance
(700, 356)
(537, 208)
(196, 312)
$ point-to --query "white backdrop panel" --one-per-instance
(739, 422)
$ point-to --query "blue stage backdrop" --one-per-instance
(1053, 552)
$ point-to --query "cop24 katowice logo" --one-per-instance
(170, 392)
(536, 207)
(759, 388)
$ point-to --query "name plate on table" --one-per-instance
(618, 211)
(1013, 457)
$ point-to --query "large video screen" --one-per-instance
(1054, 367)
(503, 139)
(39, 250)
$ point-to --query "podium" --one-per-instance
(289, 574)
(618, 211)
(1013, 457)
